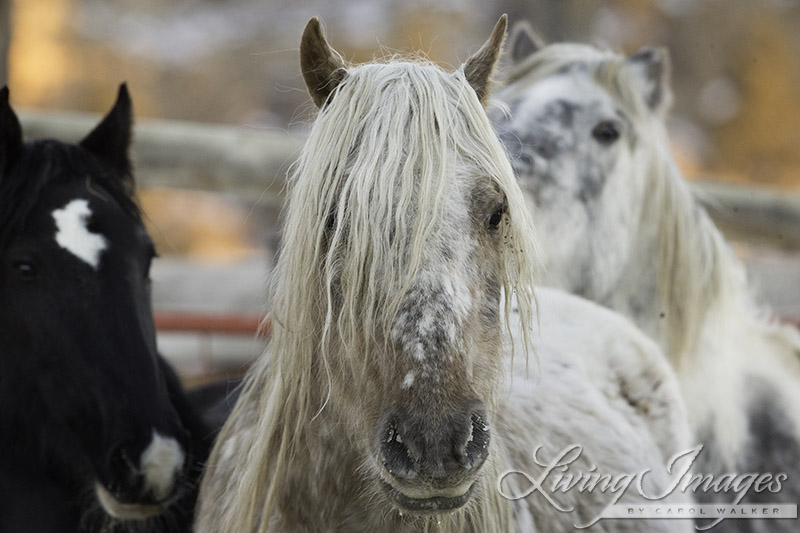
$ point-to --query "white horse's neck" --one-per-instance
(685, 288)
(681, 274)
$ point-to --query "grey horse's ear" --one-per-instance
(525, 41)
(479, 68)
(323, 67)
(651, 70)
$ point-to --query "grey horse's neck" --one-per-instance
(681, 276)
(636, 294)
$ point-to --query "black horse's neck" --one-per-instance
(43, 475)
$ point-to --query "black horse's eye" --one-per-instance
(494, 221)
(607, 132)
(25, 270)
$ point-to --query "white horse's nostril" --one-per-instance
(161, 462)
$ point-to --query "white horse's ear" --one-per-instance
(323, 67)
(525, 41)
(479, 68)
(651, 70)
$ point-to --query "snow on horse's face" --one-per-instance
(75, 318)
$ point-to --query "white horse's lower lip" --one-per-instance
(432, 501)
(127, 511)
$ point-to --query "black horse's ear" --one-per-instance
(111, 139)
(479, 68)
(650, 69)
(525, 41)
(323, 67)
(10, 134)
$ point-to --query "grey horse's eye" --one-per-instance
(494, 221)
(606, 132)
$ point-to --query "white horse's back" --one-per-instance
(599, 383)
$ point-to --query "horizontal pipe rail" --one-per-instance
(168, 153)
(241, 324)
(753, 214)
(227, 324)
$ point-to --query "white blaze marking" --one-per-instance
(74, 236)
(408, 381)
(161, 462)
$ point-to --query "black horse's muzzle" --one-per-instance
(142, 483)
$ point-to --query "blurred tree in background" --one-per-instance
(736, 63)
(5, 39)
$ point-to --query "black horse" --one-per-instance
(96, 433)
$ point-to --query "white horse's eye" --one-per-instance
(606, 132)
(494, 221)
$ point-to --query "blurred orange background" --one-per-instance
(736, 64)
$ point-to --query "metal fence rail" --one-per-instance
(751, 213)
(229, 323)
(188, 155)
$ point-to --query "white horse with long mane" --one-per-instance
(381, 402)
(617, 224)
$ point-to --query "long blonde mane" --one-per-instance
(698, 276)
(364, 196)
